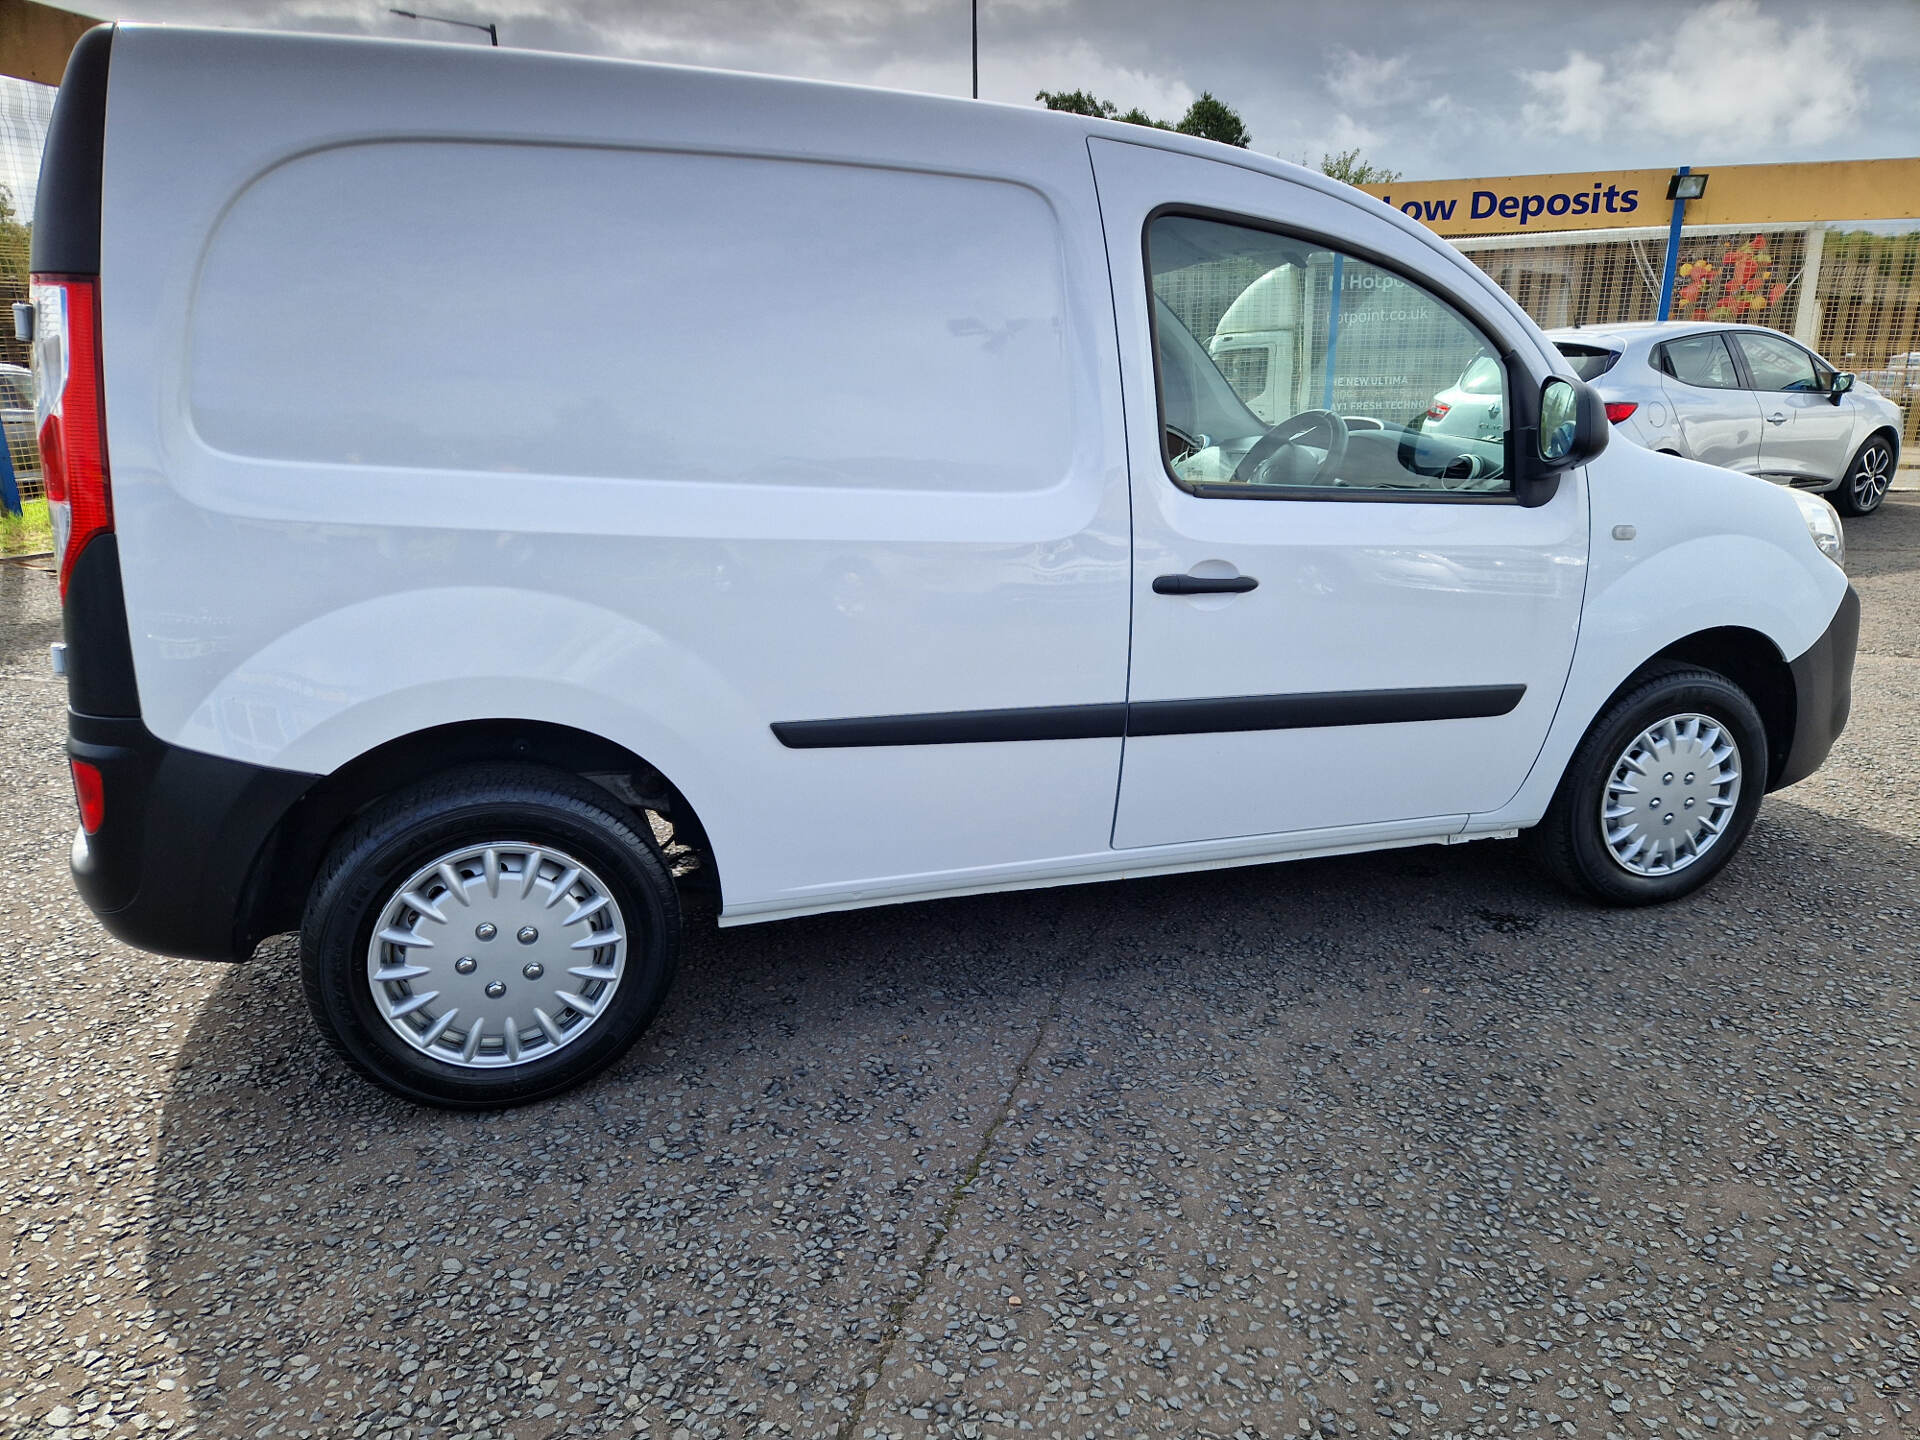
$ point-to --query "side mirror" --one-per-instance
(1842, 383)
(1568, 427)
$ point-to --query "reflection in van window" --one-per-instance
(1290, 366)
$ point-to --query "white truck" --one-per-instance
(465, 457)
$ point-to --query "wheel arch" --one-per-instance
(1888, 432)
(1750, 660)
(299, 842)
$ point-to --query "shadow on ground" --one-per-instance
(769, 1217)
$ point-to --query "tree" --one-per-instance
(1212, 119)
(1085, 102)
(1350, 167)
(1079, 102)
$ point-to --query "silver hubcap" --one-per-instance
(1671, 795)
(1872, 476)
(497, 955)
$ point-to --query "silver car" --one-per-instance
(16, 415)
(1746, 398)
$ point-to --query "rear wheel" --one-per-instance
(490, 937)
(1661, 792)
(1868, 477)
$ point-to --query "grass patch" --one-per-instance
(27, 534)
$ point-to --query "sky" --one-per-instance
(1437, 89)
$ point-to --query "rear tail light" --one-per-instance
(1618, 410)
(71, 414)
(1438, 410)
(90, 793)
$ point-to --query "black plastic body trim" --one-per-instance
(957, 727)
(1204, 584)
(94, 617)
(172, 868)
(66, 209)
(1823, 692)
(1154, 717)
(1319, 711)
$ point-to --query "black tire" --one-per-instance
(1868, 475)
(483, 805)
(1571, 840)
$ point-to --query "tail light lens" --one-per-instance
(90, 793)
(1438, 410)
(1618, 410)
(71, 415)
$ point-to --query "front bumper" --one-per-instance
(1823, 692)
(172, 866)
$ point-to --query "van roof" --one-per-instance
(898, 110)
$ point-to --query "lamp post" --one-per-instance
(1684, 186)
(493, 31)
(976, 49)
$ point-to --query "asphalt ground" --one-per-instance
(1408, 1144)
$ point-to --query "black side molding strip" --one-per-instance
(1310, 712)
(1154, 717)
(957, 727)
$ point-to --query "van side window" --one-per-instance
(1701, 360)
(1288, 369)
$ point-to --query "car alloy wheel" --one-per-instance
(1868, 478)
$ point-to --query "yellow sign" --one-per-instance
(1607, 199)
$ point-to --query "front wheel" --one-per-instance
(489, 937)
(1867, 478)
(1660, 793)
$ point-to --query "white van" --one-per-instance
(464, 456)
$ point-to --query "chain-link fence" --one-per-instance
(24, 111)
(1852, 295)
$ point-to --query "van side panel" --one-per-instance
(613, 412)
(1680, 574)
(637, 315)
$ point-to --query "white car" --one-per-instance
(1471, 406)
(1745, 398)
(1898, 379)
(859, 493)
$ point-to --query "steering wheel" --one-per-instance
(1291, 432)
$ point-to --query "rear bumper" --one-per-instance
(1823, 692)
(182, 842)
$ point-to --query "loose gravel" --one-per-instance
(1408, 1144)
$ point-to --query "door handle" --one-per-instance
(1779, 418)
(1203, 584)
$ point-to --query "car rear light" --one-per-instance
(1618, 410)
(1438, 410)
(91, 794)
(71, 413)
